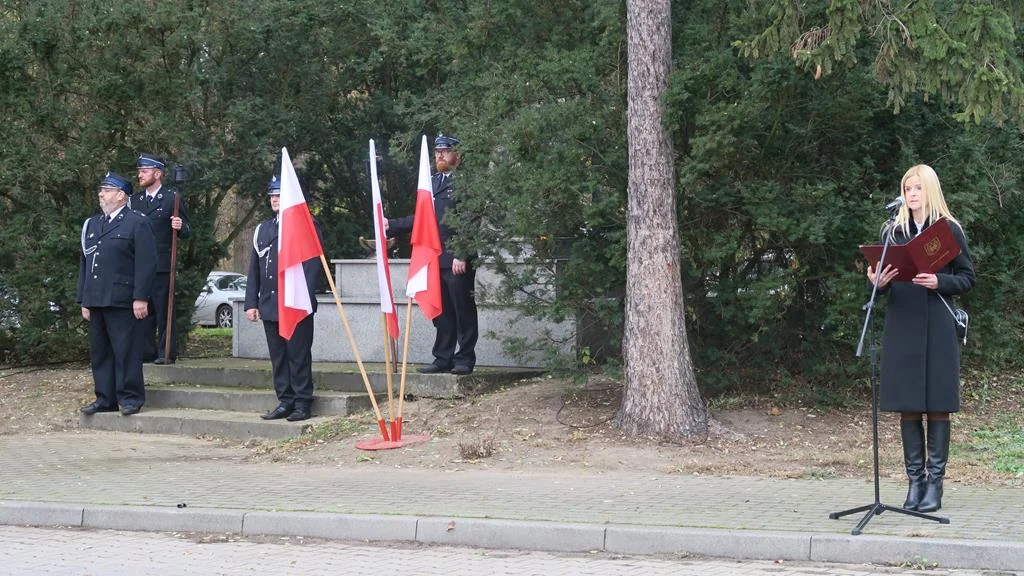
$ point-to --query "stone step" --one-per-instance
(257, 401)
(190, 422)
(331, 376)
(256, 374)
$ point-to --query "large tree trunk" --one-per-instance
(661, 397)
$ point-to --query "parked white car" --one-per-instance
(213, 306)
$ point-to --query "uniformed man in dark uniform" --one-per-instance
(115, 281)
(290, 360)
(457, 323)
(157, 203)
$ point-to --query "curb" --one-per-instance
(526, 535)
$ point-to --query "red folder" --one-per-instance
(927, 253)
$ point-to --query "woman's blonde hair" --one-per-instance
(935, 202)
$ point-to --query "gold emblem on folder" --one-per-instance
(932, 247)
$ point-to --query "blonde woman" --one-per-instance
(920, 349)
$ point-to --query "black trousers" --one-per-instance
(115, 351)
(156, 322)
(292, 363)
(457, 324)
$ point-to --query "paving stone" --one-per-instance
(141, 479)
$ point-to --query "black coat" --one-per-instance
(261, 284)
(118, 264)
(444, 200)
(159, 212)
(920, 350)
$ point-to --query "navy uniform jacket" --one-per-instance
(261, 284)
(118, 264)
(159, 212)
(444, 199)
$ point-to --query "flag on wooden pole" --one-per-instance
(424, 269)
(387, 303)
(297, 241)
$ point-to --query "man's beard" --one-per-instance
(441, 166)
(108, 206)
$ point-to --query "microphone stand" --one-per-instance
(876, 507)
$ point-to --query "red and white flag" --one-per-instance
(297, 241)
(387, 303)
(424, 269)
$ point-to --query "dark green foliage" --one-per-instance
(780, 175)
(960, 52)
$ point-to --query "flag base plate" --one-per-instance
(382, 444)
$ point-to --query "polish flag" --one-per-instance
(297, 241)
(387, 303)
(424, 269)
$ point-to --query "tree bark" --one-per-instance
(661, 398)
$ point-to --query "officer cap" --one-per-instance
(443, 142)
(274, 186)
(151, 161)
(112, 180)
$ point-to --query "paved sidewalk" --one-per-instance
(137, 482)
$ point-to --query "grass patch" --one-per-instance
(208, 343)
(819, 474)
(214, 333)
(331, 430)
(1003, 446)
(997, 444)
(477, 449)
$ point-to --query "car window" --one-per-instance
(238, 284)
(224, 282)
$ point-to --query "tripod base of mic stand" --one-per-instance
(876, 509)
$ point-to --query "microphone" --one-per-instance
(895, 204)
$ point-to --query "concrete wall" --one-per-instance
(356, 281)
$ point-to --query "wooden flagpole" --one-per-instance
(170, 288)
(387, 371)
(405, 364)
(355, 350)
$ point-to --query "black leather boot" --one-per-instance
(912, 432)
(938, 454)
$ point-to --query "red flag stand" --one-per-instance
(397, 440)
(380, 444)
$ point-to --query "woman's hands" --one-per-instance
(929, 281)
(882, 280)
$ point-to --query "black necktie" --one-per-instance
(103, 223)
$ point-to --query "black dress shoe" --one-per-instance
(95, 407)
(462, 370)
(433, 369)
(282, 411)
(163, 361)
(129, 410)
(299, 413)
